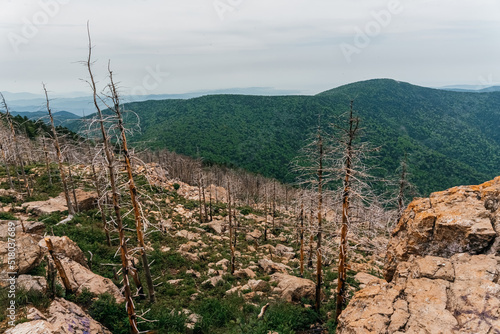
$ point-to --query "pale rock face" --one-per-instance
(66, 247)
(457, 220)
(292, 288)
(82, 278)
(443, 264)
(34, 283)
(28, 254)
(63, 317)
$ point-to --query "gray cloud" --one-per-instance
(286, 44)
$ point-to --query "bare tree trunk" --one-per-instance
(110, 161)
(342, 270)
(47, 161)
(302, 240)
(59, 266)
(274, 203)
(231, 245)
(59, 156)
(7, 169)
(403, 183)
(133, 191)
(72, 182)
(317, 304)
(16, 146)
(99, 195)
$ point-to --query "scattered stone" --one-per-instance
(284, 251)
(253, 236)
(214, 280)
(28, 254)
(271, 267)
(188, 235)
(216, 226)
(257, 285)
(193, 273)
(175, 282)
(244, 273)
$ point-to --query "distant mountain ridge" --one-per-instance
(61, 118)
(452, 138)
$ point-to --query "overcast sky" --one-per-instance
(307, 46)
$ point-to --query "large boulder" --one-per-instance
(32, 283)
(292, 288)
(443, 269)
(27, 254)
(82, 278)
(63, 317)
(66, 247)
(458, 220)
(460, 294)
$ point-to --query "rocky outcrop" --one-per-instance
(27, 255)
(292, 288)
(63, 317)
(442, 269)
(33, 283)
(82, 278)
(66, 247)
(457, 220)
(430, 295)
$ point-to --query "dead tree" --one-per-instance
(302, 239)
(318, 236)
(55, 140)
(231, 244)
(350, 134)
(16, 145)
(47, 161)
(129, 303)
(6, 162)
(132, 188)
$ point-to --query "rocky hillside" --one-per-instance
(442, 269)
(196, 292)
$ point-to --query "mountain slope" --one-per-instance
(452, 137)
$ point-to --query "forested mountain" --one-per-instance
(60, 117)
(452, 138)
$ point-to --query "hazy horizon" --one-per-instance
(168, 47)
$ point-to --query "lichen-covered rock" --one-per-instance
(27, 256)
(458, 220)
(443, 265)
(460, 294)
